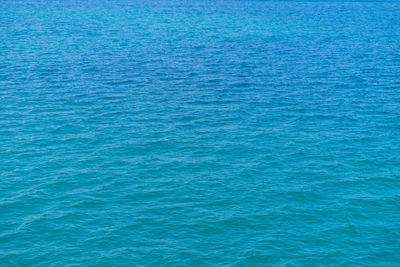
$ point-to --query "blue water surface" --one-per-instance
(199, 133)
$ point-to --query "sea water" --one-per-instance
(187, 133)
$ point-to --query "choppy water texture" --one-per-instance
(199, 133)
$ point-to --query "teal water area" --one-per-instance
(199, 133)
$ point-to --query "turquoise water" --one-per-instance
(199, 133)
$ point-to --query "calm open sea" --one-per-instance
(186, 133)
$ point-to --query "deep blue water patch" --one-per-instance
(199, 133)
